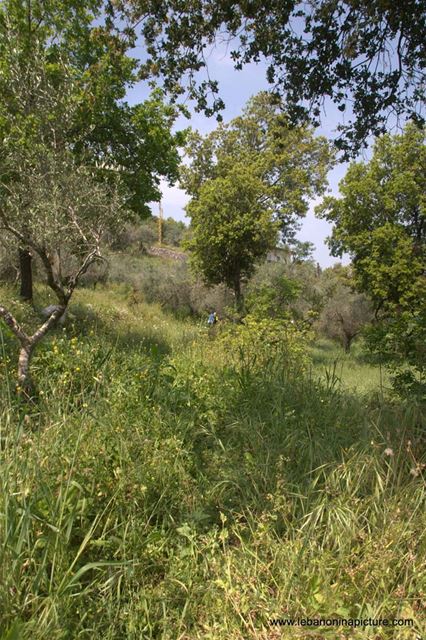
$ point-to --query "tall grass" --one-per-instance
(350, 370)
(169, 484)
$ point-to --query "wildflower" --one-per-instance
(415, 472)
(388, 452)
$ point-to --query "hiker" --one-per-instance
(212, 319)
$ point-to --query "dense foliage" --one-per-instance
(290, 162)
(248, 180)
(42, 46)
(380, 221)
(345, 311)
(231, 229)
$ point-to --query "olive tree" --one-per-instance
(66, 211)
(346, 312)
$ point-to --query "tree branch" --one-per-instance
(88, 260)
(50, 322)
(12, 323)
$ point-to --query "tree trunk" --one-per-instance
(26, 272)
(347, 341)
(24, 380)
(28, 344)
(239, 298)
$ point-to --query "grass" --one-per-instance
(351, 370)
(173, 485)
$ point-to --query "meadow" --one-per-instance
(175, 483)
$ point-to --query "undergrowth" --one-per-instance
(174, 484)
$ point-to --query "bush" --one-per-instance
(169, 283)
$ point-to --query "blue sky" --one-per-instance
(236, 87)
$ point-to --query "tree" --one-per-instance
(274, 299)
(302, 251)
(67, 211)
(345, 312)
(380, 221)
(368, 53)
(286, 290)
(173, 232)
(58, 38)
(344, 315)
(289, 161)
(255, 170)
(231, 229)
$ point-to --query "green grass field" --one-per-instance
(177, 485)
(350, 371)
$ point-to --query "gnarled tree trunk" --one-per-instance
(24, 380)
(28, 344)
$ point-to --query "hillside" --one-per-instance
(171, 484)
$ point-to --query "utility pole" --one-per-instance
(160, 223)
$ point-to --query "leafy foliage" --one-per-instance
(249, 179)
(290, 162)
(345, 312)
(274, 299)
(369, 53)
(231, 228)
(56, 48)
(293, 290)
(380, 221)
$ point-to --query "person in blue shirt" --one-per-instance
(212, 319)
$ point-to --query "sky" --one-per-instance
(235, 88)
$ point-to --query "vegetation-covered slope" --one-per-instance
(171, 484)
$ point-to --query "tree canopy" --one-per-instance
(290, 162)
(231, 228)
(380, 220)
(60, 39)
(368, 55)
(250, 181)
